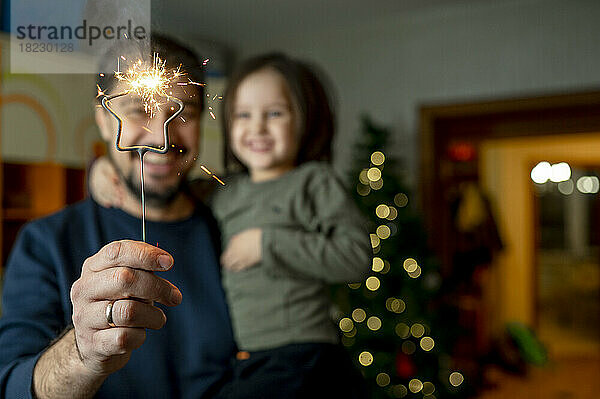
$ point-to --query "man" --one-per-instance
(73, 275)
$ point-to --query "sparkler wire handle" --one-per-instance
(142, 149)
(159, 150)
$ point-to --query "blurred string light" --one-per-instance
(416, 273)
(408, 347)
(401, 200)
(362, 176)
(410, 265)
(399, 391)
(402, 330)
(354, 286)
(560, 172)
(383, 231)
(395, 305)
(393, 213)
(544, 171)
(372, 283)
(412, 268)
(417, 330)
(428, 388)
(427, 344)
(566, 187)
(346, 325)
(374, 323)
(363, 190)
(374, 240)
(374, 174)
(359, 315)
(376, 185)
(386, 267)
(365, 358)
(378, 264)
(456, 379)
(415, 385)
(377, 158)
(383, 379)
(382, 211)
(588, 184)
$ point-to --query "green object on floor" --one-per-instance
(530, 347)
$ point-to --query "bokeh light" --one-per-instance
(374, 174)
(359, 315)
(408, 347)
(588, 184)
(374, 240)
(374, 323)
(410, 265)
(401, 200)
(372, 283)
(376, 185)
(417, 330)
(560, 172)
(365, 358)
(346, 325)
(393, 213)
(363, 190)
(383, 232)
(362, 176)
(402, 330)
(566, 187)
(399, 391)
(541, 172)
(382, 211)
(377, 158)
(415, 385)
(428, 388)
(382, 379)
(378, 264)
(456, 379)
(415, 273)
(427, 343)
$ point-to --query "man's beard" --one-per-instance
(153, 198)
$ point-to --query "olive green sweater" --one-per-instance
(313, 234)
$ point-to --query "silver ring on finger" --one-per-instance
(109, 314)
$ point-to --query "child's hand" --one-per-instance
(243, 251)
(104, 183)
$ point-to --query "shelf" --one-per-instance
(31, 191)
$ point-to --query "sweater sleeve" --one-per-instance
(31, 313)
(335, 246)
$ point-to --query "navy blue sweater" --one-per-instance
(183, 359)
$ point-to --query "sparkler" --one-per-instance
(150, 83)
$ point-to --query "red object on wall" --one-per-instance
(405, 367)
(462, 151)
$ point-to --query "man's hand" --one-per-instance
(243, 251)
(121, 271)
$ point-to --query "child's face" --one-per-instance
(263, 133)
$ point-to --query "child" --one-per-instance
(288, 228)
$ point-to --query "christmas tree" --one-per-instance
(393, 324)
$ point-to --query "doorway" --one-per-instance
(548, 273)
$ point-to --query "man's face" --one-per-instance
(163, 173)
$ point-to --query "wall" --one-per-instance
(462, 52)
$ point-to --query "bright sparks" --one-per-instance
(211, 174)
(150, 82)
